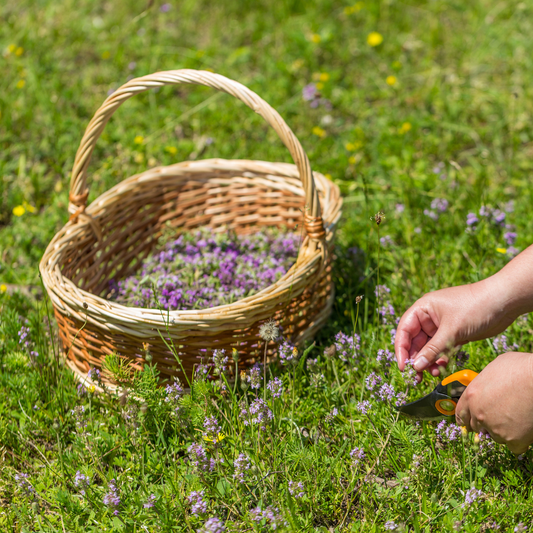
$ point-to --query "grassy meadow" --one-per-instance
(418, 109)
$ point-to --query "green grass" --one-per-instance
(464, 85)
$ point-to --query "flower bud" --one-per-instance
(464, 433)
(235, 355)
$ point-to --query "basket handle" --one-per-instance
(78, 182)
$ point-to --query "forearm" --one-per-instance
(513, 284)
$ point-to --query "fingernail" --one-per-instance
(420, 363)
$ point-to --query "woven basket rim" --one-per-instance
(129, 315)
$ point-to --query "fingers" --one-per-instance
(413, 331)
(435, 346)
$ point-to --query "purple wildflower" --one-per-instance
(385, 356)
(471, 219)
(174, 392)
(165, 8)
(198, 505)
(24, 484)
(254, 377)
(297, 489)
(357, 455)
(111, 498)
(275, 387)
(400, 208)
(271, 515)
(448, 431)
(94, 374)
(23, 336)
(150, 502)
(509, 206)
(199, 459)
(213, 525)
(512, 251)
(211, 427)
(387, 392)
(241, 465)
(462, 358)
(510, 237)
(409, 374)
(431, 214)
(331, 415)
(391, 526)
(372, 381)
(440, 204)
(501, 346)
(347, 346)
(288, 353)
(309, 92)
(386, 241)
(258, 413)
(393, 336)
(520, 527)
(363, 407)
(81, 481)
(220, 360)
(471, 496)
(132, 65)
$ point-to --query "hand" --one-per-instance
(499, 401)
(445, 319)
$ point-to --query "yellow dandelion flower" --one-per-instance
(171, 150)
(315, 38)
(352, 160)
(319, 132)
(405, 127)
(139, 139)
(106, 54)
(374, 38)
(20, 84)
(319, 86)
(3, 287)
(295, 351)
(220, 437)
(91, 389)
(391, 80)
(329, 177)
(30, 208)
(19, 211)
(19, 51)
(11, 48)
(324, 76)
(501, 250)
(352, 146)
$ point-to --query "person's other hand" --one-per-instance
(499, 401)
(447, 318)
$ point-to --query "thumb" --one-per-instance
(440, 343)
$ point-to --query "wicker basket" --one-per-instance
(109, 239)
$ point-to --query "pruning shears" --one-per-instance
(440, 403)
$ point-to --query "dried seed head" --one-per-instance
(358, 299)
(379, 217)
(269, 331)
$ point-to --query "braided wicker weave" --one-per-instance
(109, 239)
